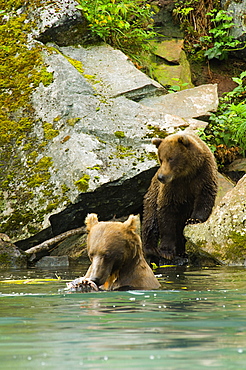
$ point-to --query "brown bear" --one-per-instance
(117, 260)
(182, 191)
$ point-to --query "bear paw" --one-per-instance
(82, 285)
(168, 255)
(193, 221)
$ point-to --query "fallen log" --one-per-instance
(48, 244)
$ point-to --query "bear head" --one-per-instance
(179, 156)
(111, 247)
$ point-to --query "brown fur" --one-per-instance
(116, 255)
(182, 191)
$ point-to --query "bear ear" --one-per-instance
(91, 220)
(182, 139)
(156, 141)
(133, 223)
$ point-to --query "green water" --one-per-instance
(196, 321)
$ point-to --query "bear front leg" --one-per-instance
(203, 204)
(150, 237)
(150, 232)
(171, 224)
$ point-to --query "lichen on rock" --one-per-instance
(224, 234)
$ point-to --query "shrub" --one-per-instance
(124, 24)
(227, 127)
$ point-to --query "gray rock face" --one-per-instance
(224, 234)
(113, 73)
(93, 89)
(59, 21)
(91, 126)
(195, 102)
(238, 11)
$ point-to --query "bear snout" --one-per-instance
(164, 179)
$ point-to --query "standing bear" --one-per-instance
(182, 191)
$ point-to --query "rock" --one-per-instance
(113, 200)
(199, 101)
(86, 127)
(112, 73)
(4, 238)
(236, 170)
(164, 20)
(10, 255)
(59, 22)
(224, 234)
(238, 11)
(74, 247)
(199, 258)
(51, 262)
(170, 50)
(224, 185)
(171, 68)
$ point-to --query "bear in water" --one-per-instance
(117, 260)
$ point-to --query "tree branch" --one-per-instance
(59, 238)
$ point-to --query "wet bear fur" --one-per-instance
(117, 260)
(182, 191)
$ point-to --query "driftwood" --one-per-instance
(57, 239)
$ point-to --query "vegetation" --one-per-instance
(207, 28)
(124, 24)
(226, 132)
(220, 42)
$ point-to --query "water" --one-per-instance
(197, 321)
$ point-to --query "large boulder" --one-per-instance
(10, 255)
(224, 234)
(87, 126)
(169, 64)
(196, 102)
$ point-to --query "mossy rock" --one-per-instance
(11, 256)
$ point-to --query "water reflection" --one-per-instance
(196, 321)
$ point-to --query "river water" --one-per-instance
(196, 321)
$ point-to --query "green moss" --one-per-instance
(236, 250)
(156, 132)
(97, 168)
(119, 134)
(49, 131)
(76, 63)
(64, 188)
(57, 119)
(41, 173)
(152, 156)
(45, 77)
(83, 183)
(51, 206)
(5, 260)
(21, 70)
(72, 121)
(123, 151)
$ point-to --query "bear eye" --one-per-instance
(107, 255)
(170, 159)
